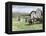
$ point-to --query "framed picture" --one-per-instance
(21, 17)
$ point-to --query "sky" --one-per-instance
(24, 9)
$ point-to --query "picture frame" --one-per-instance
(8, 16)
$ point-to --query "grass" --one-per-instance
(21, 25)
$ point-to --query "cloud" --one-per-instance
(24, 9)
